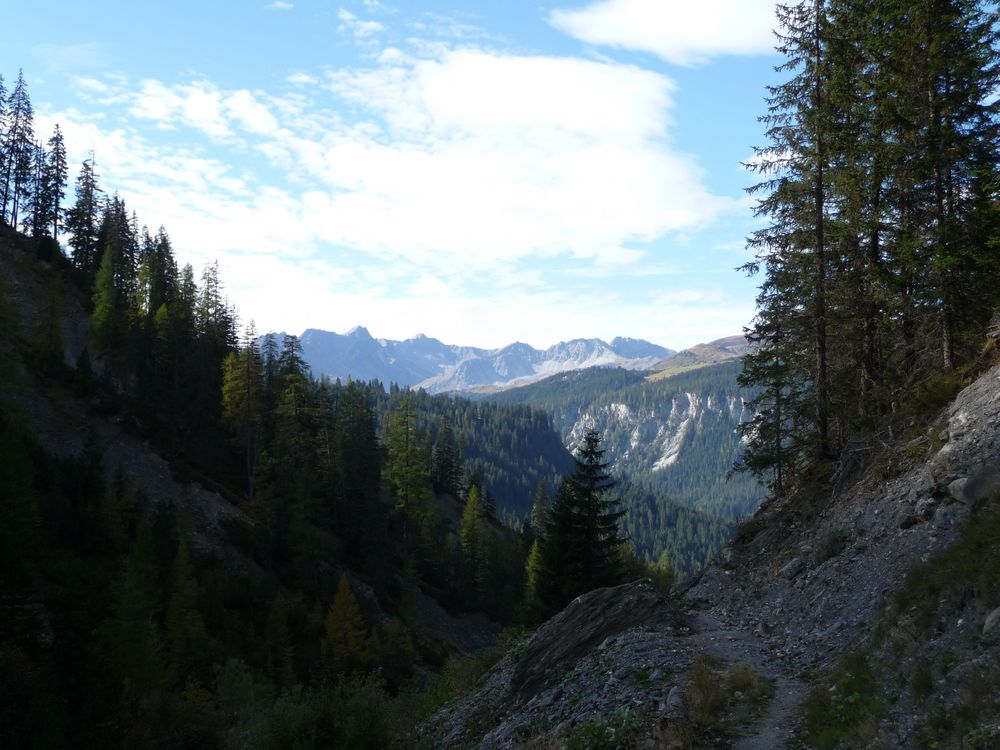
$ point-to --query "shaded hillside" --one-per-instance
(512, 447)
(141, 608)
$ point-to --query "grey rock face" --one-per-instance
(588, 621)
(991, 620)
(791, 569)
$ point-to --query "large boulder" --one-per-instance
(583, 625)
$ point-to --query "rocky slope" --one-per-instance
(868, 616)
(43, 316)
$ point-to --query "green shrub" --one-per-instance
(844, 710)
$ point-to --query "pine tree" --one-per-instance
(359, 457)
(539, 510)
(880, 187)
(134, 641)
(445, 460)
(408, 470)
(242, 385)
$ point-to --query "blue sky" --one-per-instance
(478, 172)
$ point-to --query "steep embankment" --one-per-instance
(48, 320)
(866, 616)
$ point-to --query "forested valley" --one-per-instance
(361, 523)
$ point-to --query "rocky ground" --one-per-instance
(627, 666)
(730, 662)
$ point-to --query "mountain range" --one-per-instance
(424, 362)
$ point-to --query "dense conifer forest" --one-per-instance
(121, 626)
(353, 503)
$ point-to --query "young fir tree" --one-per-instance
(581, 549)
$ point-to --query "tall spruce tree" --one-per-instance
(18, 152)
(581, 549)
(880, 188)
(55, 174)
(83, 221)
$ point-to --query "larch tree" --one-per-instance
(476, 539)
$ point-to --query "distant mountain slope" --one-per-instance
(427, 363)
(677, 435)
(358, 355)
(700, 355)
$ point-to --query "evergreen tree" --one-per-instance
(242, 384)
(533, 575)
(476, 539)
(54, 177)
(408, 470)
(135, 643)
(346, 644)
(359, 458)
(18, 152)
(445, 461)
(539, 510)
(107, 320)
(881, 194)
(581, 549)
(83, 221)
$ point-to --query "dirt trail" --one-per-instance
(774, 728)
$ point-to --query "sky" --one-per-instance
(479, 172)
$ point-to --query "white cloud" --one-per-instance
(361, 29)
(280, 5)
(485, 158)
(198, 105)
(419, 182)
(253, 116)
(679, 31)
(300, 79)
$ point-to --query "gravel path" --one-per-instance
(774, 728)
